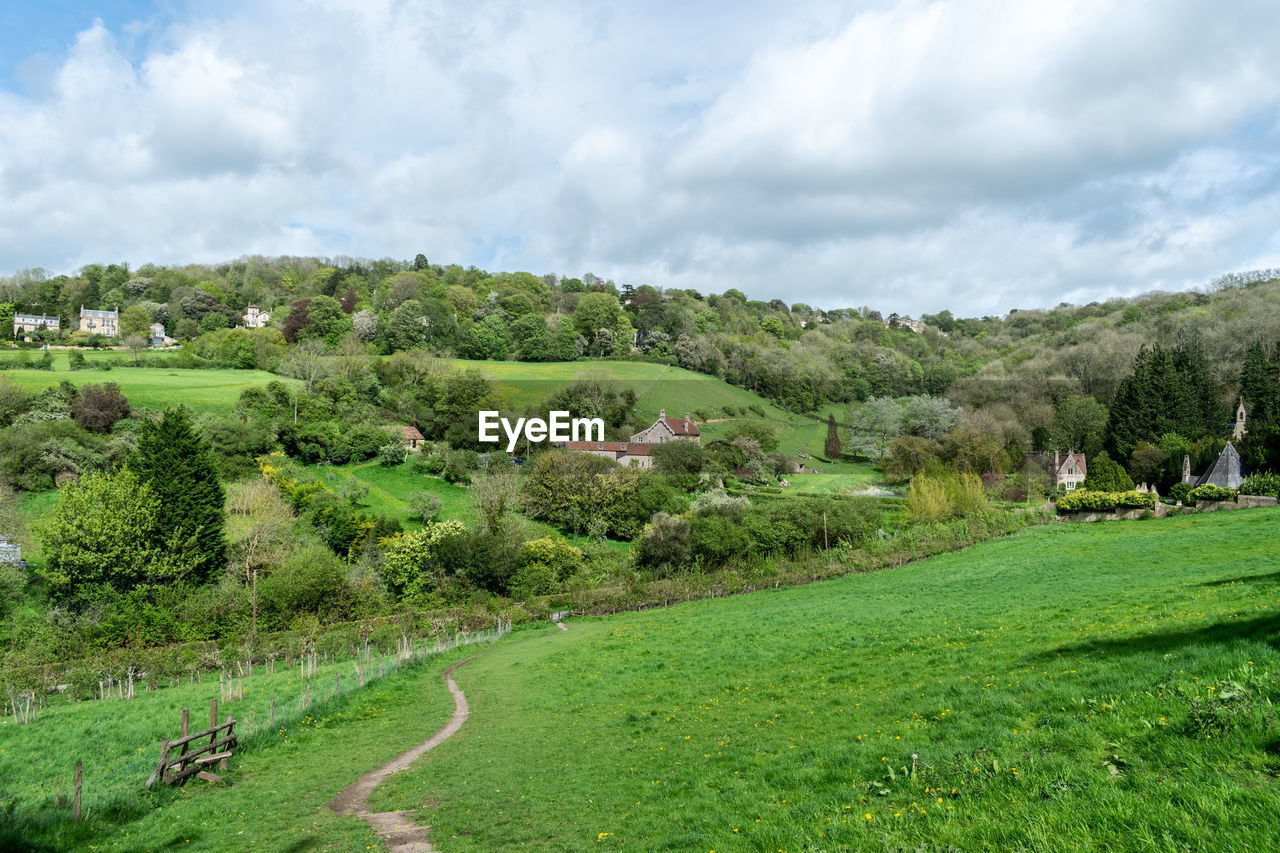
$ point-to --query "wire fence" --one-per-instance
(264, 703)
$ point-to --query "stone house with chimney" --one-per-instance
(25, 325)
(638, 452)
(1066, 470)
(100, 322)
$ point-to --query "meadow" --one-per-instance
(204, 391)
(1087, 687)
(277, 784)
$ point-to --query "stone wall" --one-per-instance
(1164, 510)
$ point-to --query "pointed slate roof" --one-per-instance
(1225, 471)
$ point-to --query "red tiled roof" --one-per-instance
(411, 433)
(676, 425)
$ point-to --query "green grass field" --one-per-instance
(390, 490)
(147, 387)
(1099, 687)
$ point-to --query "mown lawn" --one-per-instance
(1087, 687)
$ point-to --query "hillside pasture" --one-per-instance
(204, 391)
(273, 795)
(1080, 687)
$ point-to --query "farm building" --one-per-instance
(412, 438)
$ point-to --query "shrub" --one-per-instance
(1212, 493)
(425, 506)
(459, 464)
(927, 500)
(1106, 475)
(1083, 500)
(663, 545)
(934, 498)
(98, 407)
(1180, 493)
(1263, 483)
(545, 564)
(391, 455)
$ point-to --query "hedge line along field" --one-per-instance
(1087, 687)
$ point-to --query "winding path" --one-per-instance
(401, 834)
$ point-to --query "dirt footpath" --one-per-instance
(400, 833)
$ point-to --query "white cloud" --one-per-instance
(972, 154)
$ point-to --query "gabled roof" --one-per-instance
(411, 433)
(678, 426)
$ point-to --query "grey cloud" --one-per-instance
(971, 154)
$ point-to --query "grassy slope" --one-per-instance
(1043, 680)
(276, 789)
(276, 795)
(148, 387)
(677, 390)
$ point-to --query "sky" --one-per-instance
(974, 155)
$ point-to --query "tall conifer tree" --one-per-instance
(175, 462)
(832, 448)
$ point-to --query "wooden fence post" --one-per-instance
(273, 710)
(308, 695)
(213, 720)
(222, 765)
(75, 808)
(337, 685)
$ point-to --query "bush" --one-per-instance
(1083, 500)
(545, 565)
(1106, 475)
(459, 464)
(425, 506)
(391, 455)
(663, 545)
(98, 407)
(1180, 493)
(934, 498)
(1263, 483)
(1211, 493)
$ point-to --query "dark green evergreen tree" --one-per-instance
(1169, 391)
(1260, 386)
(1199, 410)
(832, 447)
(1106, 475)
(176, 463)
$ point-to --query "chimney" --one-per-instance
(662, 414)
(686, 422)
(1057, 463)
